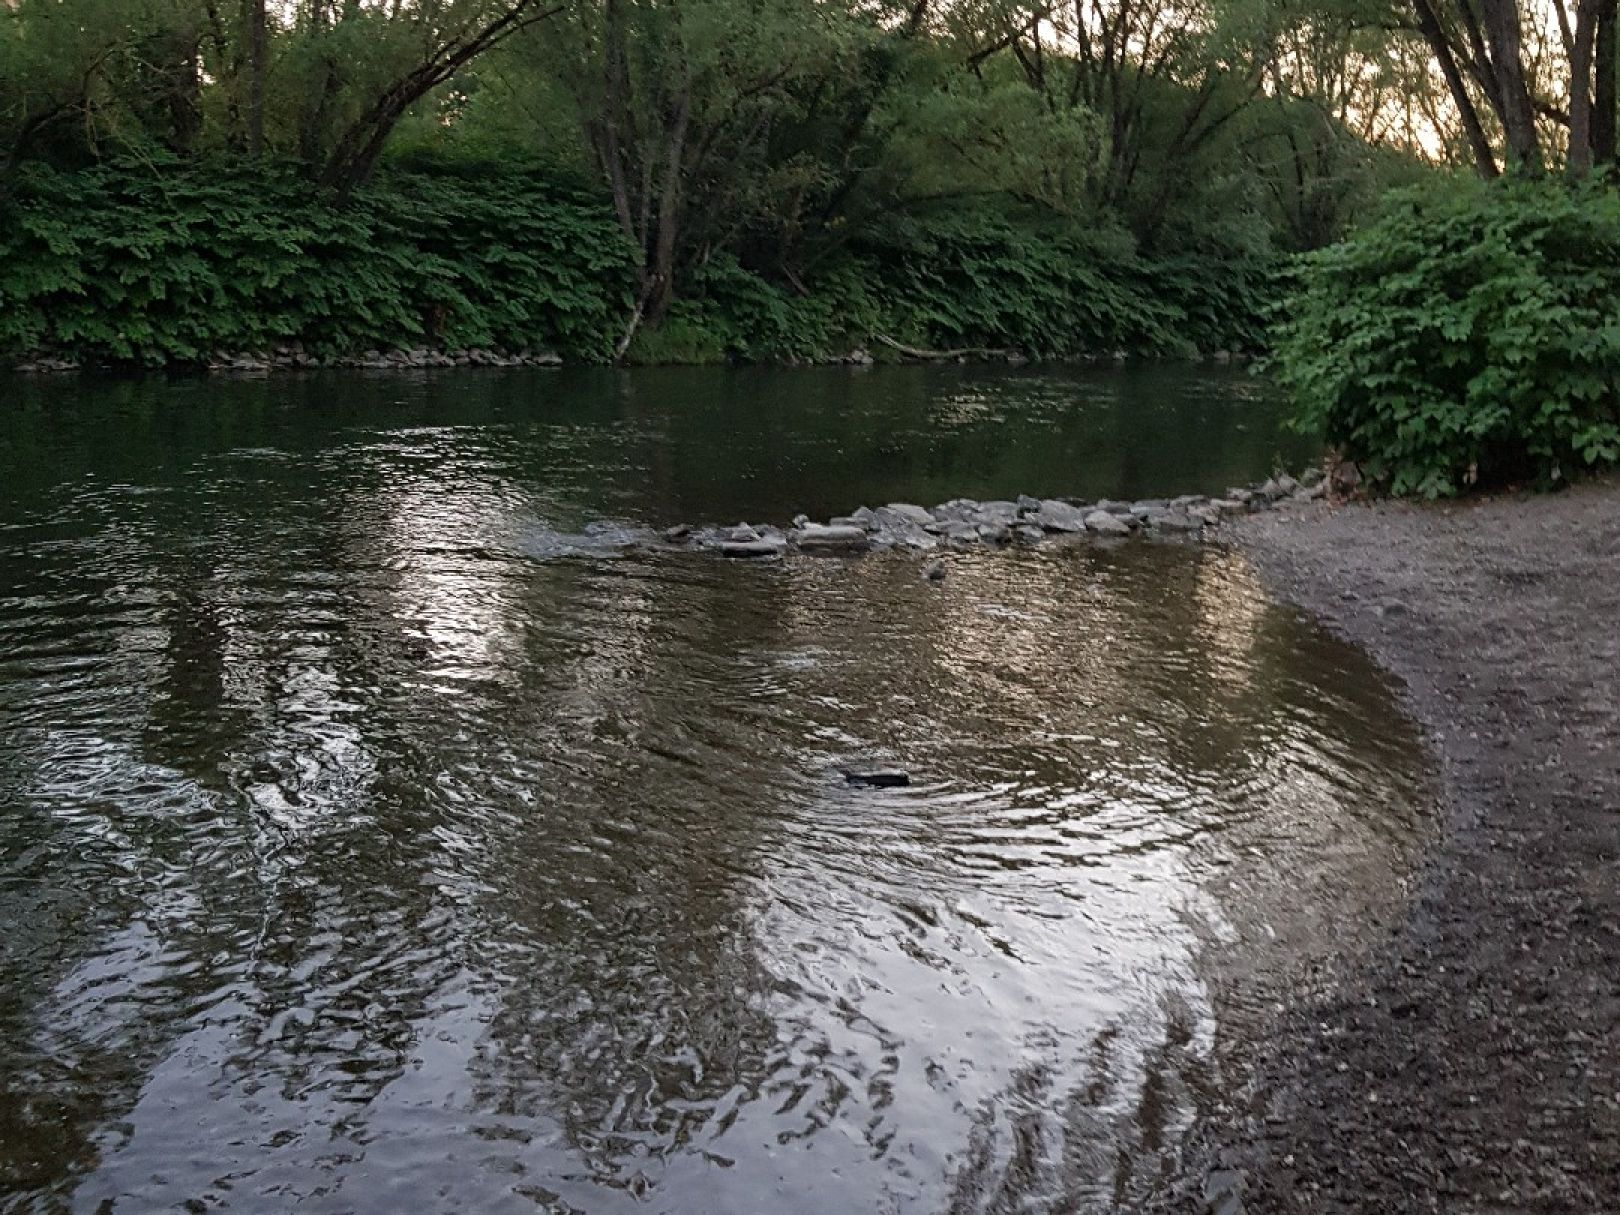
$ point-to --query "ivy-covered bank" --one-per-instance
(124, 266)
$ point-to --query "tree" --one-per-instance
(677, 102)
(438, 41)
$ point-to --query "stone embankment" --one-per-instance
(964, 523)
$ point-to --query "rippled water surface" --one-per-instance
(380, 832)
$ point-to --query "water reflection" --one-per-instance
(363, 848)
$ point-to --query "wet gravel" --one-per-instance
(1469, 1060)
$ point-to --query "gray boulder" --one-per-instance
(831, 537)
(1057, 516)
(957, 510)
(898, 530)
(1174, 521)
(996, 514)
(1106, 523)
(918, 515)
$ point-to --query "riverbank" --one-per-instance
(1472, 1063)
(250, 269)
(294, 357)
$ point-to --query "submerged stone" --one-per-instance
(878, 778)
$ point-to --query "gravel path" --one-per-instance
(1472, 1061)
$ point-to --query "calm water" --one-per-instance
(377, 835)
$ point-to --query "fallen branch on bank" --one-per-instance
(915, 352)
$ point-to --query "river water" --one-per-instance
(378, 833)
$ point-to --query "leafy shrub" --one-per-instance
(976, 280)
(1216, 302)
(731, 312)
(154, 266)
(979, 280)
(122, 265)
(1466, 335)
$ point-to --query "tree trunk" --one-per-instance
(185, 100)
(1478, 142)
(1502, 31)
(258, 35)
(357, 150)
(1603, 86)
(662, 281)
(1580, 90)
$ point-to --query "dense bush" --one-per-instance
(126, 266)
(1465, 336)
(981, 281)
(976, 281)
(122, 265)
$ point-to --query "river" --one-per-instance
(380, 830)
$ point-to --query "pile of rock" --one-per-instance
(963, 523)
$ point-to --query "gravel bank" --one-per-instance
(1472, 1061)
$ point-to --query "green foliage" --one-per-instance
(1470, 334)
(164, 265)
(732, 313)
(976, 279)
(125, 265)
(995, 136)
(971, 280)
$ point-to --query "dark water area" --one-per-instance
(378, 834)
(697, 445)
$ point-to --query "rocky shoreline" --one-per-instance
(294, 357)
(964, 523)
(1469, 1059)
